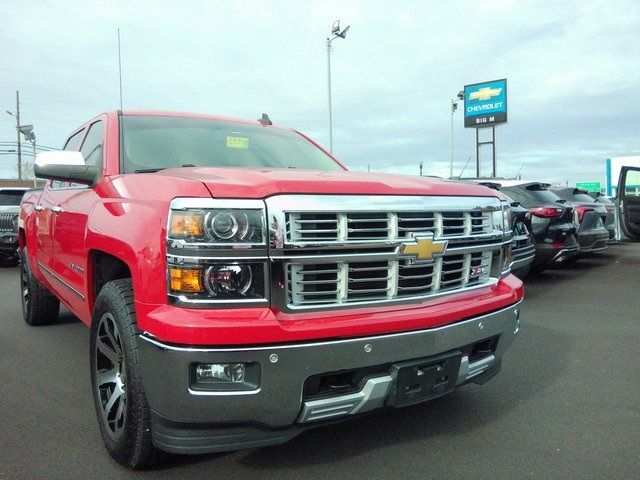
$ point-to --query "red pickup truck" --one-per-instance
(241, 285)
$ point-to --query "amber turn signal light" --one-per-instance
(187, 224)
(186, 280)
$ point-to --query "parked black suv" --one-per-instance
(9, 206)
(596, 223)
(523, 249)
(554, 232)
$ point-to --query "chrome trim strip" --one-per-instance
(203, 302)
(391, 255)
(183, 203)
(180, 259)
(226, 393)
(148, 337)
(371, 396)
(382, 242)
(377, 203)
(58, 279)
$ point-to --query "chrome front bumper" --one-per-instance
(277, 405)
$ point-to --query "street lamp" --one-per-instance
(337, 33)
(454, 107)
(30, 136)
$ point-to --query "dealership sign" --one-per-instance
(485, 104)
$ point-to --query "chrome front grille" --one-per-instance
(349, 282)
(333, 251)
(351, 226)
(6, 224)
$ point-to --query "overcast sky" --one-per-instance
(573, 71)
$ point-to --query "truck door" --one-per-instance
(628, 202)
(70, 225)
(46, 213)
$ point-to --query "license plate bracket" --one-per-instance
(416, 381)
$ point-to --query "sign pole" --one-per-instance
(485, 106)
(477, 153)
(493, 150)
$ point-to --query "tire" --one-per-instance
(121, 406)
(39, 306)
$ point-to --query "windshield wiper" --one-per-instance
(157, 169)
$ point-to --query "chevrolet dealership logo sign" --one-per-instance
(485, 104)
(423, 249)
(486, 93)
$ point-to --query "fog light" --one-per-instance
(224, 377)
(220, 373)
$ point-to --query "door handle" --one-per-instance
(39, 208)
(56, 209)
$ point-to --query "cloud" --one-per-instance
(572, 69)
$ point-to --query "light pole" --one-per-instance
(29, 135)
(17, 117)
(454, 107)
(335, 31)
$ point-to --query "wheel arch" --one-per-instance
(103, 268)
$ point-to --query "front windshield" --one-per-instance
(158, 142)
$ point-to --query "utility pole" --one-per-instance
(18, 132)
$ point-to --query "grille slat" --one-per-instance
(6, 224)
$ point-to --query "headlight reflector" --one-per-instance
(228, 279)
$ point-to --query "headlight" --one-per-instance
(217, 282)
(217, 226)
(502, 218)
(231, 222)
(14, 223)
(217, 252)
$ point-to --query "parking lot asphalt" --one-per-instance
(566, 404)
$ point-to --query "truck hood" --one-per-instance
(261, 183)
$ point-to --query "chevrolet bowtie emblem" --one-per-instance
(423, 248)
(485, 93)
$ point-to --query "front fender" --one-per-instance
(134, 232)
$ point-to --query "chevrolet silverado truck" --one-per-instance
(241, 285)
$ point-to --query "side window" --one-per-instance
(632, 183)
(92, 145)
(73, 142)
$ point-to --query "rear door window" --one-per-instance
(542, 195)
(583, 197)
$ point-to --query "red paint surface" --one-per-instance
(125, 216)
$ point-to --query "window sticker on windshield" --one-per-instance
(237, 142)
